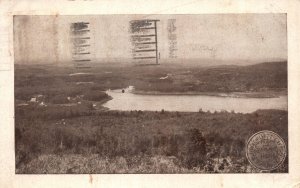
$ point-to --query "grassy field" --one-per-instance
(62, 132)
(140, 141)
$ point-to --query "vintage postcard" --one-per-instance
(170, 94)
(151, 94)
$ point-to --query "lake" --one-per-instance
(190, 103)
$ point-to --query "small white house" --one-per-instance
(33, 99)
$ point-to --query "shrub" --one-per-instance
(95, 96)
(59, 99)
(193, 151)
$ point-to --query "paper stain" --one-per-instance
(297, 185)
(91, 179)
(220, 182)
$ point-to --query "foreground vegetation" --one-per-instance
(141, 142)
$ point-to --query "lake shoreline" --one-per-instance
(130, 99)
(270, 94)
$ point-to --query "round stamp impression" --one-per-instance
(266, 150)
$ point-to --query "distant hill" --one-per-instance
(258, 77)
(268, 77)
(225, 78)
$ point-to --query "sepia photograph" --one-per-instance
(151, 93)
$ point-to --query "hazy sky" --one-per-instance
(254, 37)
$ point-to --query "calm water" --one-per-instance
(190, 103)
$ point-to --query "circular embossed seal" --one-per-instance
(266, 150)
